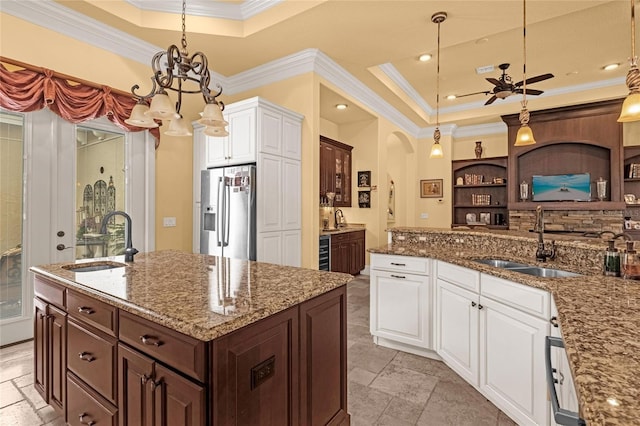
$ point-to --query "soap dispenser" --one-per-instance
(631, 263)
(612, 260)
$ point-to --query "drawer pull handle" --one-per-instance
(85, 310)
(554, 321)
(86, 356)
(82, 416)
(155, 384)
(398, 276)
(45, 316)
(151, 340)
(398, 264)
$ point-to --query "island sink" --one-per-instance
(93, 266)
(528, 269)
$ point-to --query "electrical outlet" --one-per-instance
(424, 215)
(168, 222)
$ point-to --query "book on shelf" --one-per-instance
(633, 171)
(472, 179)
(480, 199)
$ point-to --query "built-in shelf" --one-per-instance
(480, 206)
(483, 185)
(632, 179)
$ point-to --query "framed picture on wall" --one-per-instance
(364, 179)
(364, 199)
(431, 188)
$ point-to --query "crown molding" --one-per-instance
(445, 130)
(208, 8)
(480, 130)
(395, 76)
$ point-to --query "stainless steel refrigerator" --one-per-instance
(228, 221)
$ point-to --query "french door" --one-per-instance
(58, 180)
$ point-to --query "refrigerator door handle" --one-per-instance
(227, 218)
(220, 218)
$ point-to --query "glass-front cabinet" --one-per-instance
(335, 171)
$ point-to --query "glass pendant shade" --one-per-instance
(524, 136)
(216, 131)
(138, 117)
(162, 108)
(436, 151)
(212, 116)
(178, 127)
(630, 109)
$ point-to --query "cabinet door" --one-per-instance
(256, 373)
(323, 359)
(85, 407)
(400, 307)
(269, 214)
(270, 125)
(135, 398)
(291, 248)
(57, 357)
(292, 194)
(512, 359)
(215, 150)
(269, 247)
(291, 138)
(360, 251)
(327, 168)
(40, 349)
(341, 257)
(177, 400)
(242, 137)
(457, 329)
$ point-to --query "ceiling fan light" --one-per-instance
(630, 108)
(524, 136)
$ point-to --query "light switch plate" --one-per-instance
(168, 222)
(424, 215)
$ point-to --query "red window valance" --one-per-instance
(31, 88)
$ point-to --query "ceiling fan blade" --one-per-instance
(535, 79)
(494, 81)
(491, 100)
(484, 92)
(529, 92)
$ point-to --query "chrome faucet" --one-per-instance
(129, 251)
(542, 253)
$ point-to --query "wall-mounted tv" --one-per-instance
(570, 187)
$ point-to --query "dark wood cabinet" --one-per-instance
(135, 399)
(85, 407)
(348, 252)
(476, 182)
(335, 171)
(50, 347)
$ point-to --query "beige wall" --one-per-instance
(492, 146)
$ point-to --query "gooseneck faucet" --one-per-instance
(129, 251)
(542, 253)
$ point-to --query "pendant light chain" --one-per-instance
(633, 77)
(524, 113)
(438, 81)
(184, 27)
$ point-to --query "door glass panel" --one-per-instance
(100, 186)
(11, 289)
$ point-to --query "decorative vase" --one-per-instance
(478, 149)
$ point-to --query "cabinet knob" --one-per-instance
(156, 384)
(473, 304)
(480, 306)
(83, 421)
(144, 378)
(554, 322)
(151, 340)
(86, 356)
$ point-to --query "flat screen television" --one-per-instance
(570, 187)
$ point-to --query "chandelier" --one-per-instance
(174, 70)
(525, 134)
(436, 149)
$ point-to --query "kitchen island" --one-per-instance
(178, 338)
(598, 316)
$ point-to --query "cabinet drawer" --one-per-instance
(85, 407)
(92, 357)
(408, 264)
(176, 349)
(519, 296)
(92, 311)
(460, 276)
(49, 291)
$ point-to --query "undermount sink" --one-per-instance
(93, 266)
(537, 271)
(498, 263)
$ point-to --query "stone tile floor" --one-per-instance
(386, 387)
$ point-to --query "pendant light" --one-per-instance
(525, 134)
(436, 149)
(631, 106)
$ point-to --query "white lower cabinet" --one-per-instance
(496, 345)
(400, 304)
(280, 247)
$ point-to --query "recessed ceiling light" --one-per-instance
(341, 106)
(425, 57)
(610, 67)
(451, 97)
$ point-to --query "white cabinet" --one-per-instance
(266, 134)
(492, 332)
(400, 307)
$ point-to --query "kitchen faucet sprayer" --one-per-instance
(129, 251)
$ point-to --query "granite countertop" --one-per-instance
(599, 316)
(343, 229)
(201, 296)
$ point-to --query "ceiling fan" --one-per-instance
(503, 86)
